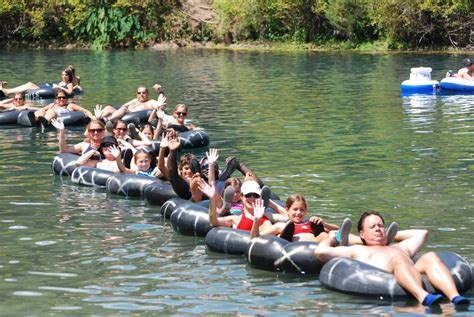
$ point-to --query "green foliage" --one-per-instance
(110, 25)
(342, 23)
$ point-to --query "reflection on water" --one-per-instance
(347, 145)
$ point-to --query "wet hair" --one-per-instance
(185, 160)
(69, 74)
(86, 132)
(234, 181)
(365, 215)
(295, 198)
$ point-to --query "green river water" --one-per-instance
(331, 126)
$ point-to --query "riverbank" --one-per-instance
(371, 48)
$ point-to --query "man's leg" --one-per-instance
(437, 273)
(410, 279)
(118, 114)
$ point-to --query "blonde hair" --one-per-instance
(86, 132)
(180, 105)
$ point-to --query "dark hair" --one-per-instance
(69, 74)
(142, 150)
(365, 215)
(185, 160)
(114, 126)
(59, 91)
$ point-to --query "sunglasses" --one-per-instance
(253, 195)
(121, 129)
(96, 130)
(142, 92)
(182, 114)
(61, 97)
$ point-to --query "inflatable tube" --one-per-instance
(169, 207)
(90, 176)
(189, 140)
(265, 252)
(159, 192)
(78, 90)
(9, 117)
(354, 277)
(129, 185)
(64, 164)
(193, 139)
(45, 92)
(26, 118)
(137, 117)
(298, 257)
(190, 219)
(227, 240)
(74, 118)
(457, 85)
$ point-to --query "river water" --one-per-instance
(331, 126)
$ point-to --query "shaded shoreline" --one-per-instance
(367, 48)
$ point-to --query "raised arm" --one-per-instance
(115, 151)
(211, 192)
(327, 250)
(258, 211)
(63, 147)
(179, 184)
(161, 157)
(411, 240)
(212, 157)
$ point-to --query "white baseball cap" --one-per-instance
(249, 187)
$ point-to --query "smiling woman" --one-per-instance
(61, 107)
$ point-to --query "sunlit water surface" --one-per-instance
(331, 126)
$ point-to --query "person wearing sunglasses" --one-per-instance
(120, 131)
(92, 138)
(106, 157)
(61, 106)
(250, 194)
(17, 103)
(178, 121)
(139, 103)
